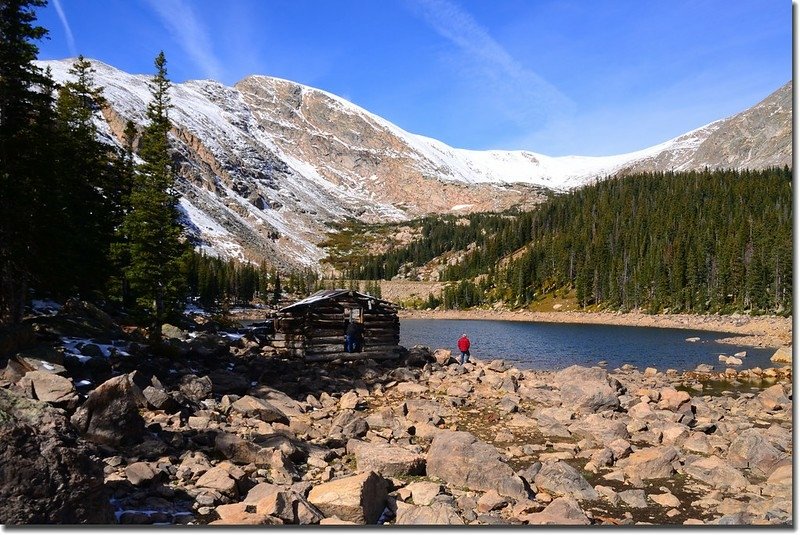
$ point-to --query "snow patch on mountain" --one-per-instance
(267, 165)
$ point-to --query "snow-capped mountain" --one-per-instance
(267, 164)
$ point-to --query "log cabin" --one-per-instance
(314, 328)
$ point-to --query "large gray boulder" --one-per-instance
(460, 459)
(561, 479)
(587, 390)
(360, 498)
(386, 459)
(751, 449)
(47, 475)
(110, 415)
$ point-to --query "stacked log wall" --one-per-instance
(318, 332)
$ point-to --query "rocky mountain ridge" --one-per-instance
(266, 165)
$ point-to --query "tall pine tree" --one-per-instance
(25, 106)
(151, 226)
(84, 195)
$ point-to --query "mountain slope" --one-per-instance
(265, 165)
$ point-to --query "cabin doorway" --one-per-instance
(354, 330)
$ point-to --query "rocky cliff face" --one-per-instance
(266, 165)
(757, 138)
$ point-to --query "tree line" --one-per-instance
(84, 218)
(699, 241)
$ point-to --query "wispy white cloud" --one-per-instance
(73, 50)
(182, 23)
(524, 96)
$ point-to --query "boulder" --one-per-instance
(159, 399)
(360, 498)
(242, 451)
(600, 429)
(279, 400)
(423, 492)
(290, 507)
(386, 459)
(779, 483)
(460, 459)
(142, 473)
(651, 463)
(783, 355)
(635, 498)
(220, 479)
(171, 331)
(261, 491)
(195, 388)
(587, 390)
(751, 449)
(560, 512)
(348, 424)
(348, 401)
(436, 514)
(252, 407)
(228, 382)
(47, 475)
(673, 400)
(716, 472)
(773, 398)
(110, 415)
(444, 357)
(666, 500)
(51, 388)
(241, 514)
(560, 479)
(423, 410)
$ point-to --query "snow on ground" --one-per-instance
(45, 307)
(71, 348)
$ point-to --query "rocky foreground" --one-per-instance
(221, 430)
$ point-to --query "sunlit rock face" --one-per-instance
(265, 166)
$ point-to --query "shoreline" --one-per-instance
(753, 331)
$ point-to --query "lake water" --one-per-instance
(547, 346)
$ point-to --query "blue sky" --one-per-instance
(552, 76)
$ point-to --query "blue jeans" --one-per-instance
(350, 343)
(464, 357)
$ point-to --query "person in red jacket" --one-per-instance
(463, 346)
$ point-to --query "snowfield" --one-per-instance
(264, 169)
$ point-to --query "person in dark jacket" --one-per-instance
(463, 346)
(354, 337)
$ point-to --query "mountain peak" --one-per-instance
(267, 164)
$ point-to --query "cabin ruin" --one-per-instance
(314, 328)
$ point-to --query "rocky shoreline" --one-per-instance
(219, 429)
(754, 331)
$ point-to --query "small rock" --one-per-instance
(348, 401)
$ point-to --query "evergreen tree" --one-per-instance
(24, 113)
(151, 226)
(81, 215)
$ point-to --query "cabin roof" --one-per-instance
(324, 295)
